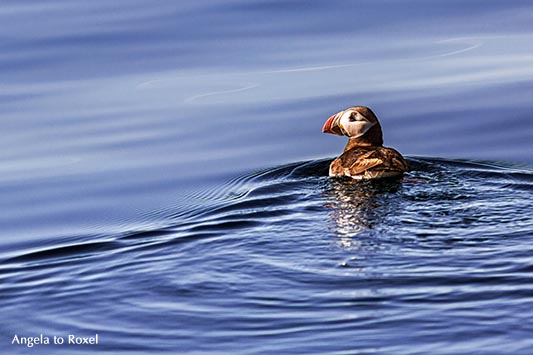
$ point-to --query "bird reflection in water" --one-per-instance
(360, 206)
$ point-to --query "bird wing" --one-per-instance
(393, 159)
(364, 162)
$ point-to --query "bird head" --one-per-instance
(357, 122)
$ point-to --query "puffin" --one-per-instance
(364, 157)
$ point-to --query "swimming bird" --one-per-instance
(364, 156)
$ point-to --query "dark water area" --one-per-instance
(163, 177)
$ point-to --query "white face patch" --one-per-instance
(354, 123)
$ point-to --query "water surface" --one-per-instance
(163, 177)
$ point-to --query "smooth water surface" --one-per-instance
(164, 177)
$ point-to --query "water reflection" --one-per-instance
(359, 207)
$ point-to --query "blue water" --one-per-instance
(163, 177)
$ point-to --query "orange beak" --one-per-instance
(333, 126)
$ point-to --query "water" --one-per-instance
(163, 177)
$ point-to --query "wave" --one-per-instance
(437, 197)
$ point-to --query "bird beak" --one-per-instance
(333, 126)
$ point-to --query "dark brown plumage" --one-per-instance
(364, 156)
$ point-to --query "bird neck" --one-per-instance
(358, 142)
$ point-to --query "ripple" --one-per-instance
(287, 251)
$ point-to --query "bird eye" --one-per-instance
(352, 117)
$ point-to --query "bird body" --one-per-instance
(368, 163)
(364, 156)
